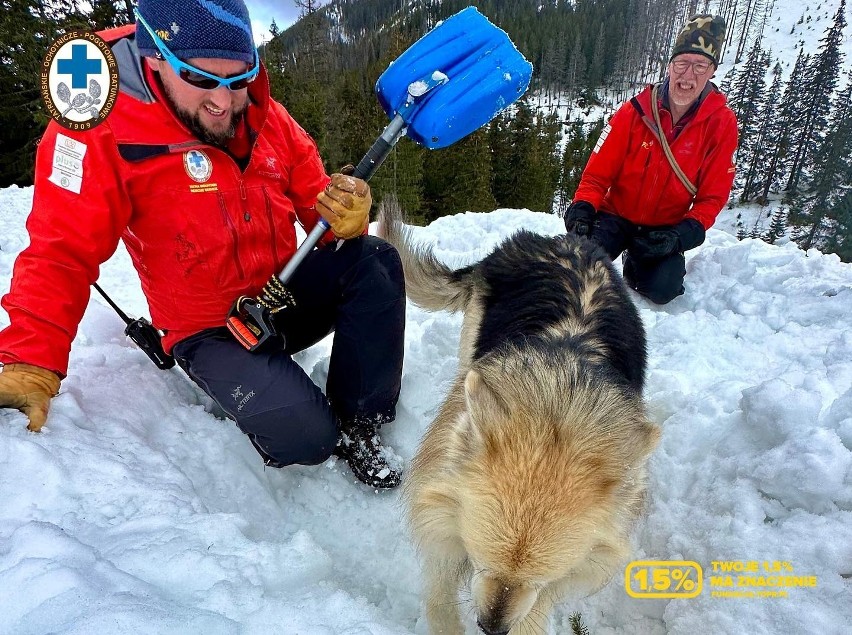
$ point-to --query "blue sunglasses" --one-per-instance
(195, 76)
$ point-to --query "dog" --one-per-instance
(527, 484)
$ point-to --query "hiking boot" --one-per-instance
(371, 462)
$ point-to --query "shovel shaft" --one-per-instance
(365, 169)
(380, 149)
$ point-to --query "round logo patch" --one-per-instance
(197, 165)
(79, 80)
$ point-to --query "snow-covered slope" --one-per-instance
(138, 511)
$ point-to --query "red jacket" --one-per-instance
(198, 242)
(628, 173)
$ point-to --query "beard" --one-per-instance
(192, 120)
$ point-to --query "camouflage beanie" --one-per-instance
(703, 34)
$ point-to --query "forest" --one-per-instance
(795, 125)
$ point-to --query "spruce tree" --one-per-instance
(785, 126)
(572, 166)
(27, 29)
(840, 240)
(747, 83)
(401, 175)
(747, 98)
(755, 168)
(577, 151)
(458, 178)
(820, 82)
(832, 176)
(777, 226)
(502, 157)
(526, 162)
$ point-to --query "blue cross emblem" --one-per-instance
(79, 66)
(196, 159)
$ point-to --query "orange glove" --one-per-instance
(29, 389)
(345, 205)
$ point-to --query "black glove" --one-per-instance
(690, 233)
(580, 218)
(667, 240)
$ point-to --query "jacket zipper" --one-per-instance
(234, 234)
(271, 222)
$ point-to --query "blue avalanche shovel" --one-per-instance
(448, 84)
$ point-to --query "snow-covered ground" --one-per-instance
(138, 511)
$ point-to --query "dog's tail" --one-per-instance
(428, 282)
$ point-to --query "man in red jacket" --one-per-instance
(203, 175)
(630, 196)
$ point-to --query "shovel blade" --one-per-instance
(486, 73)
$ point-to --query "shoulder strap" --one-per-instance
(656, 128)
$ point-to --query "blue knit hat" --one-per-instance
(197, 28)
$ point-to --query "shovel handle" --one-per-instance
(365, 169)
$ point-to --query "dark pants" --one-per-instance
(358, 292)
(660, 280)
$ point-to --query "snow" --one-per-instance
(137, 510)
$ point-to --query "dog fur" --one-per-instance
(529, 480)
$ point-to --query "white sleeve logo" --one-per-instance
(602, 138)
(68, 163)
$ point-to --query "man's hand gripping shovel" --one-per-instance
(448, 84)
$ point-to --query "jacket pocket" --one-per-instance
(270, 219)
(235, 236)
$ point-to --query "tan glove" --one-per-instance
(29, 389)
(345, 205)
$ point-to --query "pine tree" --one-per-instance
(777, 226)
(756, 169)
(831, 178)
(577, 151)
(755, 230)
(403, 171)
(504, 158)
(572, 166)
(785, 126)
(747, 97)
(576, 66)
(820, 82)
(595, 69)
(106, 14)
(458, 178)
(27, 29)
(526, 162)
(402, 176)
(840, 240)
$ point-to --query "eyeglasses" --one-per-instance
(699, 68)
(193, 75)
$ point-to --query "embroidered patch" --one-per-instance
(68, 156)
(203, 187)
(602, 138)
(79, 80)
(197, 165)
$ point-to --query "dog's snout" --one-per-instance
(488, 630)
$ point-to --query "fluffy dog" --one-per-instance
(530, 478)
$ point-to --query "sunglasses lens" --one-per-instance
(207, 83)
(199, 81)
(241, 83)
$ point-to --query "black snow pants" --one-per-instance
(661, 280)
(356, 291)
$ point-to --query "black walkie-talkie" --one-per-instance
(143, 334)
(149, 340)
